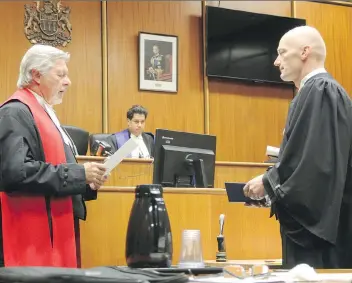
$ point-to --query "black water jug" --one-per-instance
(149, 239)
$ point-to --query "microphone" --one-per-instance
(222, 223)
(101, 148)
(221, 253)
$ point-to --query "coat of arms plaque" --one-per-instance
(47, 22)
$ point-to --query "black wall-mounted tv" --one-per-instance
(243, 45)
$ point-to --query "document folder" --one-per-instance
(235, 192)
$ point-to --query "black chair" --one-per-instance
(151, 134)
(80, 138)
(93, 141)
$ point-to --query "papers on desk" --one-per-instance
(277, 277)
(112, 161)
(299, 273)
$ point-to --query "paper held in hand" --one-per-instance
(112, 161)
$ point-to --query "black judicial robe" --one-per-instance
(310, 187)
(21, 147)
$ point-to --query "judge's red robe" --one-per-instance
(38, 231)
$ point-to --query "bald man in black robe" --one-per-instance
(310, 186)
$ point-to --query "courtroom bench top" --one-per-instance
(141, 160)
(202, 191)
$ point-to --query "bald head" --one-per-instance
(310, 38)
(301, 51)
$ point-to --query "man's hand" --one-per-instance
(96, 187)
(95, 174)
(254, 189)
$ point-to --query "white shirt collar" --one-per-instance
(41, 99)
(141, 151)
(311, 74)
(136, 137)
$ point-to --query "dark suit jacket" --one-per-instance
(124, 136)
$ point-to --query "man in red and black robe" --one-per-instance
(43, 189)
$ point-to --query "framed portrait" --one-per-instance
(158, 62)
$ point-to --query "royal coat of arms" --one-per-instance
(48, 23)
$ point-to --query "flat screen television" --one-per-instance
(243, 45)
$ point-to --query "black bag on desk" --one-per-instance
(91, 275)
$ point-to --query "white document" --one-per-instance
(112, 161)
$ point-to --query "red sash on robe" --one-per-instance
(25, 223)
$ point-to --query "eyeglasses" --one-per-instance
(138, 122)
(238, 271)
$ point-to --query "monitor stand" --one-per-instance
(183, 182)
(198, 179)
(199, 172)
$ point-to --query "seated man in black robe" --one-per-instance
(43, 189)
(310, 186)
(136, 119)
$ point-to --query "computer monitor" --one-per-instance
(184, 159)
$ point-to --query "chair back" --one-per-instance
(150, 134)
(80, 138)
(92, 141)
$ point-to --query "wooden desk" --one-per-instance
(246, 263)
(249, 232)
(140, 171)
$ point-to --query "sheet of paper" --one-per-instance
(112, 161)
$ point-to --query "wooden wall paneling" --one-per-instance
(104, 43)
(182, 111)
(14, 45)
(249, 232)
(237, 172)
(82, 105)
(131, 173)
(246, 117)
(189, 212)
(334, 22)
(103, 235)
